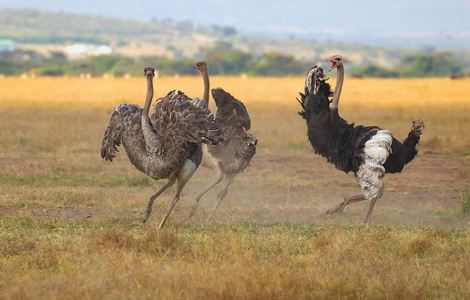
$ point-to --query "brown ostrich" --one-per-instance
(234, 152)
(167, 146)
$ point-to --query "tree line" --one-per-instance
(223, 60)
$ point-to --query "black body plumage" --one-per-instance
(340, 142)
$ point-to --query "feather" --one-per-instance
(230, 111)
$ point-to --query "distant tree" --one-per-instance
(277, 64)
(57, 56)
(8, 67)
(222, 46)
(226, 60)
(374, 71)
(438, 64)
(20, 61)
(185, 26)
(52, 70)
(228, 31)
(123, 65)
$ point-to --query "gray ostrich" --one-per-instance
(167, 146)
(233, 154)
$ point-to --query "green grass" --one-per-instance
(68, 179)
(465, 202)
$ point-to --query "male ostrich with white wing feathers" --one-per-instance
(368, 151)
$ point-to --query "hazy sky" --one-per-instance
(416, 21)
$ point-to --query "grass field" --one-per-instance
(70, 222)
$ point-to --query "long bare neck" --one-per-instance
(205, 76)
(152, 142)
(148, 98)
(338, 87)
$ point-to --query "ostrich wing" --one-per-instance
(125, 116)
(180, 120)
(230, 111)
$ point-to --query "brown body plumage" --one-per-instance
(233, 154)
(165, 146)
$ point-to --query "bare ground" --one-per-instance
(295, 188)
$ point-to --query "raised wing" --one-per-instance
(179, 120)
(230, 111)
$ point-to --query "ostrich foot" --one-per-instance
(348, 200)
(146, 218)
(193, 209)
(336, 210)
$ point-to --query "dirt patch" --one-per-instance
(62, 213)
(294, 188)
(300, 188)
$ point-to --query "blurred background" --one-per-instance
(117, 38)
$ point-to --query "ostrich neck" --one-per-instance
(338, 87)
(152, 142)
(148, 98)
(205, 76)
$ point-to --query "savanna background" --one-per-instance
(70, 223)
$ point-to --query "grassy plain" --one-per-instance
(69, 222)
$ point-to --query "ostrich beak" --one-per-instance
(333, 66)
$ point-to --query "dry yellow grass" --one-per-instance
(69, 260)
(69, 222)
(444, 104)
(403, 93)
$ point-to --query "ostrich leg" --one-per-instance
(172, 205)
(184, 174)
(170, 182)
(348, 200)
(228, 181)
(369, 211)
(204, 191)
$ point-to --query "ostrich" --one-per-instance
(368, 151)
(201, 67)
(232, 155)
(167, 146)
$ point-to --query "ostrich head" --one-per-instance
(336, 61)
(201, 67)
(315, 98)
(314, 79)
(149, 72)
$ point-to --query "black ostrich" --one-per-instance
(368, 151)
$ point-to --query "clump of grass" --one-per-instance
(419, 246)
(440, 234)
(152, 242)
(45, 260)
(113, 238)
(465, 203)
(322, 242)
(138, 180)
(16, 246)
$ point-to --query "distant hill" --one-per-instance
(47, 30)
